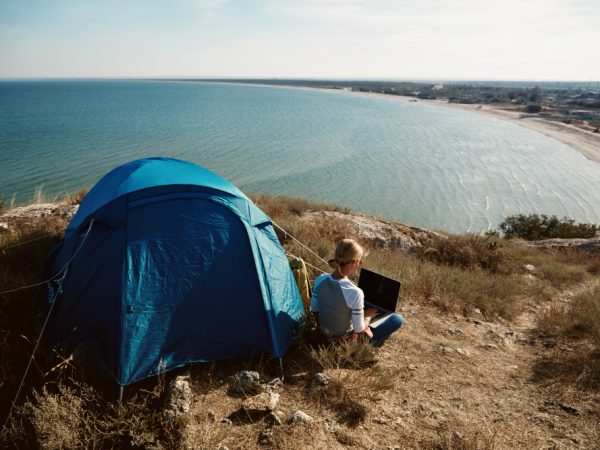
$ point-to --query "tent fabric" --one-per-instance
(179, 266)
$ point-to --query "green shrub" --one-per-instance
(535, 227)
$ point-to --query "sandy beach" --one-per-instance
(584, 142)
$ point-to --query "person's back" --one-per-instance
(335, 314)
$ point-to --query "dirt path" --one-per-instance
(474, 382)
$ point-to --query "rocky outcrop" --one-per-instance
(379, 232)
(15, 217)
(591, 245)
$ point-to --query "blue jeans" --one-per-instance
(385, 329)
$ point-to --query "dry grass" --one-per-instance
(59, 408)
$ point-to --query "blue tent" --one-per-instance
(178, 266)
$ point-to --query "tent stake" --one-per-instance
(120, 400)
(281, 368)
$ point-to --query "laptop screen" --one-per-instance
(379, 290)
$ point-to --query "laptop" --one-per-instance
(381, 293)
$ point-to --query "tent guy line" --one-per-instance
(53, 276)
(303, 245)
(31, 240)
(37, 343)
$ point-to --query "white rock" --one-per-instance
(300, 417)
(332, 426)
(490, 346)
(529, 267)
(178, 397)
(266, 401)
(463, 352)
(321, 379)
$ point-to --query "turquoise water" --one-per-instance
(425, 165)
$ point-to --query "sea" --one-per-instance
(422, 164)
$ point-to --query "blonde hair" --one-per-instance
(347, 250)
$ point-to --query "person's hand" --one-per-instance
(371, 312)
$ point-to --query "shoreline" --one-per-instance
(584, 142)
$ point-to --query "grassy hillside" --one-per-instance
(501, 349)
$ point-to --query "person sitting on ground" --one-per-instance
(338, 303)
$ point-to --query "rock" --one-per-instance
(444, 350)
(379, 232)
(178, 397)
(490, 346)
(529, 268)
(463, 352)
(246, 382)
(226, 421)
(4, 227)
(477, 322)
(40, 210)
(455, 331)
(380, 420)
(591, 245)
(477, 311)
(320, 379)
(275, 384)
(266, 401)
(459, 318)
(569, 409)
(331, 426)
(412, 367)
(265, 437)
(300, 417)
(274, 419)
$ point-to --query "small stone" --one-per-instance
(490, 346)
(211, 415)
(332, 426)
(321, 379)
(275, 384)
(463, 352)
(267, 401)
(477, 311)
(274, 419)
(444, 350)
(455, 331)
(380, 420)
(264, 437)
(477, 322)
(412, 367)
(300, 416)
(226, 421)
(529, 268)
(459, 318)
(246, 382)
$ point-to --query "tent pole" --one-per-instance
(281, 368)
(120, 400)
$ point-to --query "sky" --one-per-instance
(335, 39)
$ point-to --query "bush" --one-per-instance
(534, 227)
